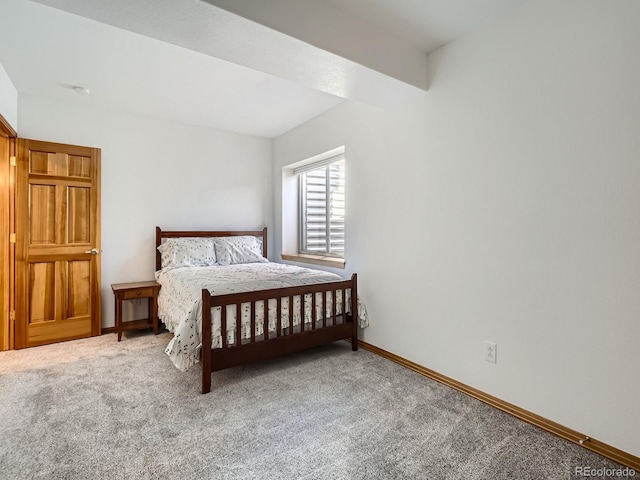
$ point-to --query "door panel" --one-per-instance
(51, 332)
(79, 288)
(58, 215)
(79, 166)
(42, 284)
(42, 204)
(39, 163)
(79, 218)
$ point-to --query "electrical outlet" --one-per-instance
(490, 352)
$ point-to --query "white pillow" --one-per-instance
(187, 252)
(240, 249)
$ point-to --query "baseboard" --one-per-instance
(561, 431)
(110, 330)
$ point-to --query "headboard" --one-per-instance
(160, 234)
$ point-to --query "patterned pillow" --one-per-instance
(240, 249)
(187, 252)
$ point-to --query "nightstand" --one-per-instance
(133, 291)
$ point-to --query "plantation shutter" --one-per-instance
(322, 206)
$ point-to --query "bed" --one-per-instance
(227, 305)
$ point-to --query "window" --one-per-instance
(313, 210)
(322, 206)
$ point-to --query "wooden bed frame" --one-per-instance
(284, 340)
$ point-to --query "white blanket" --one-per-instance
(180, 302)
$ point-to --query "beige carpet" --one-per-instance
(96, 408)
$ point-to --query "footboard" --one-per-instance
(334, 323)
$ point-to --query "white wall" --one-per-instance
(158, 173)
(504, 207)
(8, 99)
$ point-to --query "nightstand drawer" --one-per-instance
(138, 293)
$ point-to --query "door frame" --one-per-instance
(7, 223)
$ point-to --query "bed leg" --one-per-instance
(354, 337)
(205, 353)
(206, 381)
(354, 312)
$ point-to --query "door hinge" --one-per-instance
(12, 315)
(12, 238)
(12, 161)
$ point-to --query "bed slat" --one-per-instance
(223, 322)
(265, 319)
(290, 314)
(279, 316)
(314, 313)
(344, 305)
(333, 307)
(238, 325)
(253, 322)
(324, 309)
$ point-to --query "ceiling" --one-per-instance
(258, 71)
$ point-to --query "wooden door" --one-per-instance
(57, 243)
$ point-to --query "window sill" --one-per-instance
(315, 259)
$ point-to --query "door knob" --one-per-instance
(93, 251)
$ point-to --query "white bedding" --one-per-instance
(180, 302)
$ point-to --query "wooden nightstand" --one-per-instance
(133, 291)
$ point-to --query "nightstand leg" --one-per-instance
(119, 318)
(153, 313)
